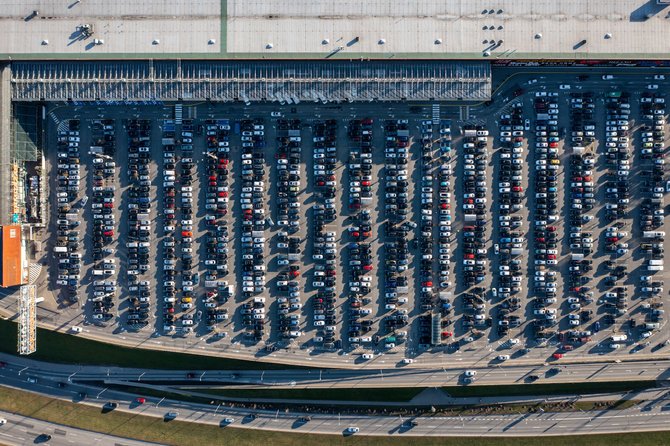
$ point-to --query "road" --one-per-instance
(20, 430)
(651, 415)
(643, 370)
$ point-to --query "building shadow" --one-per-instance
(646, 11)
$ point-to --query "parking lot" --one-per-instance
(532, 230)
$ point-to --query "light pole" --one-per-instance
(22, 370)
(139, 378)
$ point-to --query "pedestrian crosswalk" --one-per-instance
(178, 113)
(34, 272)
(436, 114)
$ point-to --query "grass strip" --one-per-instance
(68, 349)
(185, 433)
(396, 394)
(334, 407)
(578, 388)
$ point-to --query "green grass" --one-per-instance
(549, 389)
(187, 434)
(399, 394)
(68, 349)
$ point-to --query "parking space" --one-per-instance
(533, 229)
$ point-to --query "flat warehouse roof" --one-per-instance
(126, 27)
(341, 29)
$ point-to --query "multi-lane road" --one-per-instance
(651, 415)
(625, 371)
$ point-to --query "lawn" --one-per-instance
(65, 348)
(187, 434)
(549, 389)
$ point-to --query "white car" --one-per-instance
(503, 357)
(352, 429)
(367, 356)
(470, 372)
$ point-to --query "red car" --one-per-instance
(140, 400)
(469, 256)
(551, 256)
(295, 273)
(568, 348)
(447, 334)
(551, 228)
(517, 189)
(561, 337)
(108, 233)
(368, 267)
(612, 239)
(577, 179)
(108, 205)
(427, 284)
(558, 355)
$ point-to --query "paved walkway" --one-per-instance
(5, 140)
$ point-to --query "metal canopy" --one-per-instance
(251, 81)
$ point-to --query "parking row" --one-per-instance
(68, 242)
(325, 233)
(105, 230)
(139, 223)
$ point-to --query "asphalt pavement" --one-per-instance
(652, 415)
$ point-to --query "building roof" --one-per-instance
(298, 29)
(12, 270)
